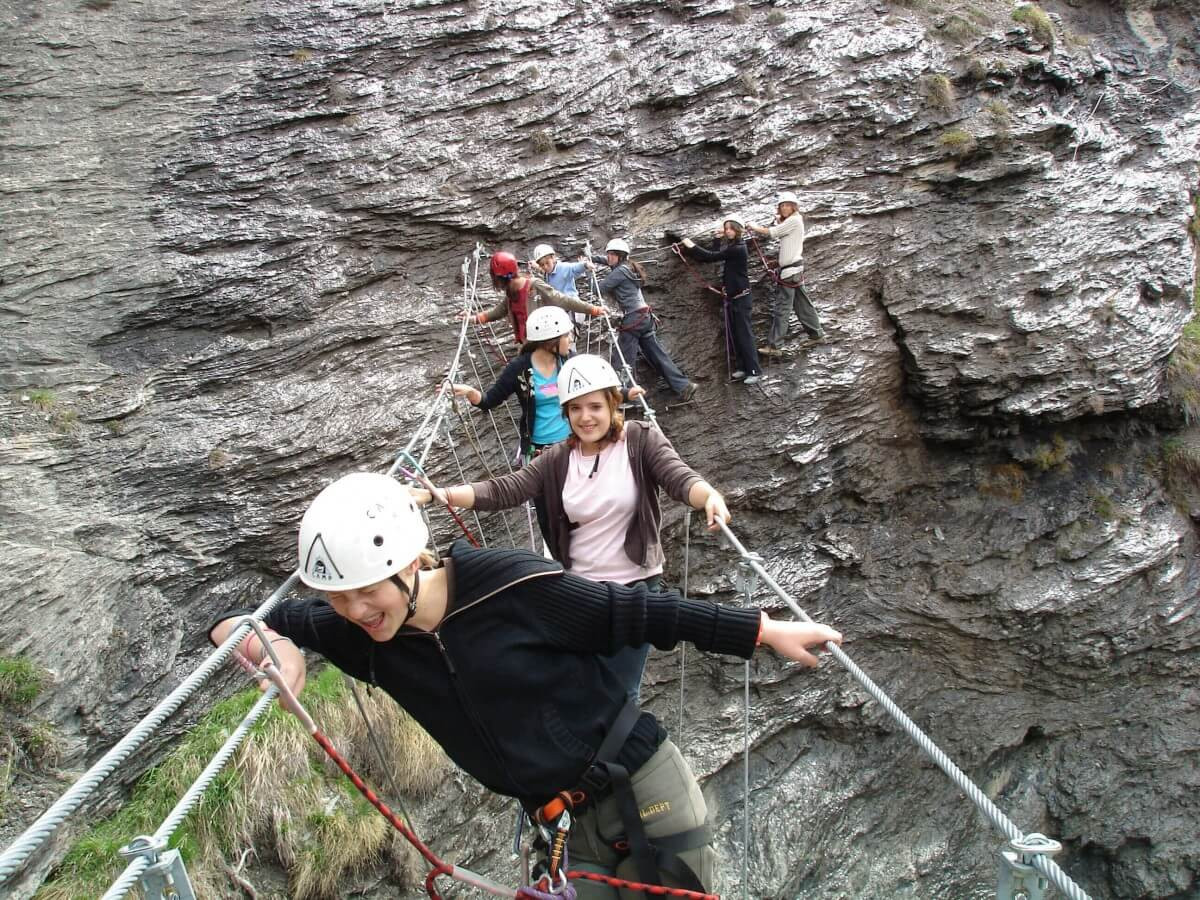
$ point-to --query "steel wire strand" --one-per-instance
(1043, 864)
(462, 479)
(40, 831)
(469, 429)
(129, 878)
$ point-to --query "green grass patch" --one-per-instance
(1037, 21)
(1005, 481)
(938, 91)
(1183, 367)
(957, 140)
(1053, 455)
(21, 680)
(43, 399)
(278, 794)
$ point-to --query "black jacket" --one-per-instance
(516, 378)
(509, 683)
(735, 278)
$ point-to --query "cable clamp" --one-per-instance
(1019, 879)
(745, 578)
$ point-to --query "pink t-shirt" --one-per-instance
(600, 498)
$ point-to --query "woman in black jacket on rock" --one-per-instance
(729, 247)
(496, 654)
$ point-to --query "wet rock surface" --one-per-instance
(231, 242)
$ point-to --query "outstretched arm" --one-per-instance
(796, 640)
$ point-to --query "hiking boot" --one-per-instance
(738, 375)
(752, 379)
(689, 392)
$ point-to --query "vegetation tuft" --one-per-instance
(977, 69)
(1183, 368)
(20, 682)
(958, 29)
(776, 17)
(279, 794)
(1006, 481)
(42, 399)
(1054, 455)
(957, 140)
(1037, 21)
(938, 92)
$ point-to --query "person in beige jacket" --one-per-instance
(787, 282)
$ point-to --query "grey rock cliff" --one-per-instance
(229, 242)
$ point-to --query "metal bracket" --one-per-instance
(745, 579)
(166, 877)
(1018, 879)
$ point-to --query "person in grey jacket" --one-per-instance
(602, 513)
(623, 283)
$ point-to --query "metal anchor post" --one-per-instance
(745, 579)
(1018, 879)
(165, 878)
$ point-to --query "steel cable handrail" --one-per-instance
(1044, 864)
(126, 880)
(41, 830)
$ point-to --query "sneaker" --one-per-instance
(688, 392)
(738, 375)
(752, 379)
(815, 335)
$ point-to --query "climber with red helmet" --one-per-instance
(523, 294)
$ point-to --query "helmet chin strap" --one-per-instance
(411, 594)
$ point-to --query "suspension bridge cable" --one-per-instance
(129, 878)
(1044, 864)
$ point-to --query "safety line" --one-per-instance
(129, 878)
(1044, 864)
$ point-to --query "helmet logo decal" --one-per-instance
(578, 382)
(318, 562)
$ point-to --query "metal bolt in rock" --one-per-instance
(1019, 879)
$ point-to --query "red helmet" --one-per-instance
(504, 265)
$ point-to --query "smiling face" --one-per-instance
(591, 417)
(546, 263)
(614, 259)
(379, 609)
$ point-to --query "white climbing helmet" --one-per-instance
(541, 251)
(787, 197)
(547, 322)
(361, 529)
(616, 245)
(583, 374)
(741, 226)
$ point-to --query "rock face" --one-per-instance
(231, 242)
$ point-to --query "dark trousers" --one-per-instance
(743, 334)
(637, 334)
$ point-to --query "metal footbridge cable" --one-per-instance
(1042, 863)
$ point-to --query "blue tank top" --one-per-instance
(549, 425)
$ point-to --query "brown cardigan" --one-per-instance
(655, 465)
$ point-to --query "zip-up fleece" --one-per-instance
(735, 278)
(654, 464)
(509, 683)
(623, 284)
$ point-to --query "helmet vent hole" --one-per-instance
(388, 563)
(379, 540)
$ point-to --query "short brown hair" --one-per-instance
(613, 396)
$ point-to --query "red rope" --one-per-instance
(766, 265)
(440, 867)
(694, 273)
(653, 889)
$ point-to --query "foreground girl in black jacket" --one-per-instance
(495, 654)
